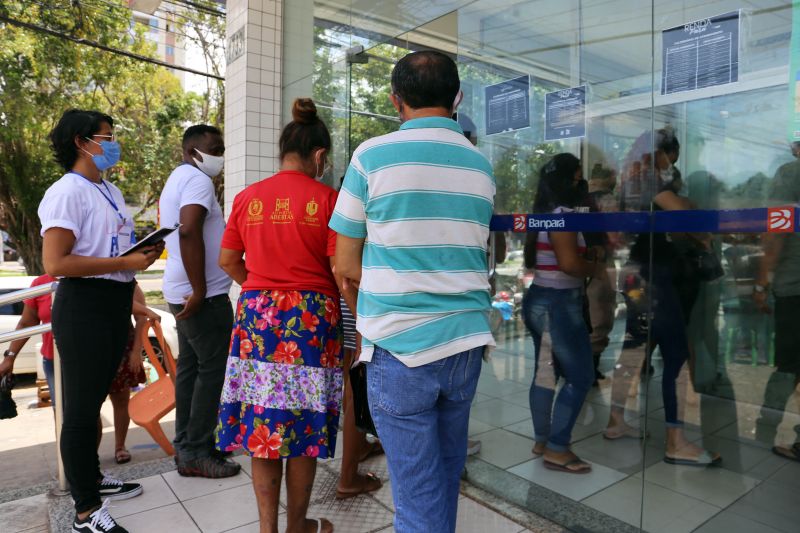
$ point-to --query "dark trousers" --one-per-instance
(91, 318)
(203, 341)
(783, 381)
(667, 331)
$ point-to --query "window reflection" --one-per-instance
(686, 363)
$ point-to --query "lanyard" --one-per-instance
(108, 197)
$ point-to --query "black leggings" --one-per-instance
(91, 318)
(667, 331)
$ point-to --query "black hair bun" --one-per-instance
(304, 111)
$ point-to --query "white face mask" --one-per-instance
(457, 101)
(325, 168)
(667, 178)
(211, 165)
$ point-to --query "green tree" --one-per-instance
(370, 90)
(206, 31)
(42, 75)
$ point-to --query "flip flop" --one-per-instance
(793, 453)
(704, 459)
(122, 456)
(371, 484)
(373, 449)
(565, 467)
(319, 524)
(629, 433)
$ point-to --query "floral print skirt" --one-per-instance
(283, 382)
(127, 378)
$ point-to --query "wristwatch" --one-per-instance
(760, 289)
(9, 353)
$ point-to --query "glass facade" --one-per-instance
(686, 106)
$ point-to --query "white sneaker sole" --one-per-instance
(122, 495)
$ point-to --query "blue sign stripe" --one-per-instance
(753, 220)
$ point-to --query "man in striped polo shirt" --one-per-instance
(413, 223)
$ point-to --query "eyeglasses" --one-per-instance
(111, 137)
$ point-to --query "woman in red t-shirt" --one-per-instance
(283, 383)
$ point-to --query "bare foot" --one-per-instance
(678, 448)
(363, 484)
(371, 449)
(538, 448)
(622, 430)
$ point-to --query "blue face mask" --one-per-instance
(109, 157)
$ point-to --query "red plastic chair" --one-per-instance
(151, 404)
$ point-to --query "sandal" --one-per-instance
(793, 453)
(372, 449)
(320, 521)
(704, 459)
(370, 483)
(122, 456)
(583, 466)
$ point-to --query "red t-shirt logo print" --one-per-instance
(780, 219)
(520, 221)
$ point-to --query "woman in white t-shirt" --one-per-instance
(553, 312)
(86, 227)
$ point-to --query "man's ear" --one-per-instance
(192, 153)
(395, 101)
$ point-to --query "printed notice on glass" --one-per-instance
(508, 105)
(700, 54)
(565, 114)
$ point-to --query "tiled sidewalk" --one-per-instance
(181, 505)
(173, 504)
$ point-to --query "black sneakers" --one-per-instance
(114, 489)
(213, 467)
(98, 522)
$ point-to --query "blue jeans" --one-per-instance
(50, 377)
(561, 340)
(422, 416)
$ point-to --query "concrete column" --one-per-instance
(252, 92)
(298, 30)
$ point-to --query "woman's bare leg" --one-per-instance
(267, 475)
(355, 442)
(300, 472)
(120, 400)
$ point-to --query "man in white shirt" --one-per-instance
(197, 292)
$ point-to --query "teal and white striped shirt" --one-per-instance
(422, 197)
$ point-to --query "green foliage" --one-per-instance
(516, 166)
(365, 87)
(516, 172)
(371, 88)
(207, 32)
(41, 76)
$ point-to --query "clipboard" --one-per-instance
(151, 240)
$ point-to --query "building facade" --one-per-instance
(612, 82)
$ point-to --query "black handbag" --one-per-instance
(701, 264)
(358, 382)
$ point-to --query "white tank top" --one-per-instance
(547, 273)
